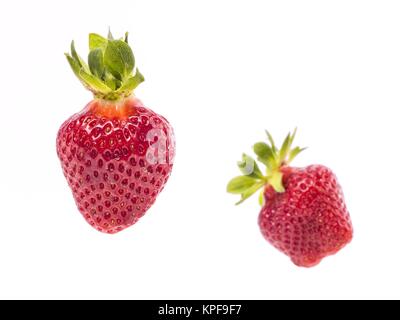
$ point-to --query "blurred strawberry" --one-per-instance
(303, 210)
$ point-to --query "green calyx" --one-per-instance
(252, 179)
(110, 72)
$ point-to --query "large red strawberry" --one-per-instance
(116, 154)
(303, 210)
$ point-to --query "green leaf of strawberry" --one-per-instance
(75, 65)
(132, 82)
(93, 82)
(97, 42)
(119, 59)
(248, 166)
(110, 73)
(295, 152)
(285, 148)
(78, 59)
(241, 184)
(274, 160)
(96, 63)
(111, 81)
(271, 141)
(250, 191)
(265, 154)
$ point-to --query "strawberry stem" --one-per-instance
(273, 158)
(111, 73)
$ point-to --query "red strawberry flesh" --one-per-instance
(117, 157)
(308, 221)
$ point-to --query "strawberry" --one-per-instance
(116, 154)
(303, 211)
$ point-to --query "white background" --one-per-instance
(221, 72)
